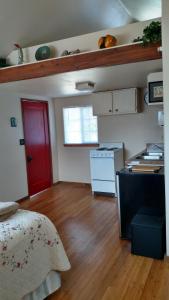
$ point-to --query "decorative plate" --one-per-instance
(42, 53)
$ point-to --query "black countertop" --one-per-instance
(129, 172)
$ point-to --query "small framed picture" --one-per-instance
(155, 92)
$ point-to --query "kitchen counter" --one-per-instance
(137, 160)
(152, 155)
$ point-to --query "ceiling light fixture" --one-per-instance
(86, 86)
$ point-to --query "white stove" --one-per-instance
(103, 151)
(105, 161)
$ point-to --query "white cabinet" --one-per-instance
(102, 103)
(125, 101)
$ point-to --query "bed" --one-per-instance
(31, 257)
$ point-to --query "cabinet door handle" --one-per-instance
(116, 109)
(110, 110)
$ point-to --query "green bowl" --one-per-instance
(43, 53)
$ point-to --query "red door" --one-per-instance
(37, 145)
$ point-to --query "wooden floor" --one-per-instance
(102, 266)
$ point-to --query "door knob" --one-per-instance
(29, 158)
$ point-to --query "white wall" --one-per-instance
(134, 130)
(13, 176)
(87, 42)
(165, 43)
(13, 181)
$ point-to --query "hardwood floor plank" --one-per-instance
(136, 284)
(157, 285)
(102, 266)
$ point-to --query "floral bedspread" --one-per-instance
(30, 248)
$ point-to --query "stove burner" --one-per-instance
(110, 149)
(102, 149)
(106, 149)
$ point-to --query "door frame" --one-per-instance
(48, 127)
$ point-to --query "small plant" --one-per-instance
(151, 34)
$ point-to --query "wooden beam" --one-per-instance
(99, 58)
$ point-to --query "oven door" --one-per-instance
(104, 186)
(102, 168)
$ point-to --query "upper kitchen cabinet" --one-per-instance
(102, 103)
(126, 101)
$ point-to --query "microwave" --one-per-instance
(155, 88)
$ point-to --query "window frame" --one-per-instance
(92, 144)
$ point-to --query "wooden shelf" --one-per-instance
(99, 58)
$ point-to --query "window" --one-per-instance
(80, 126)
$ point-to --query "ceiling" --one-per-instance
(143, 10)
(33, 22)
